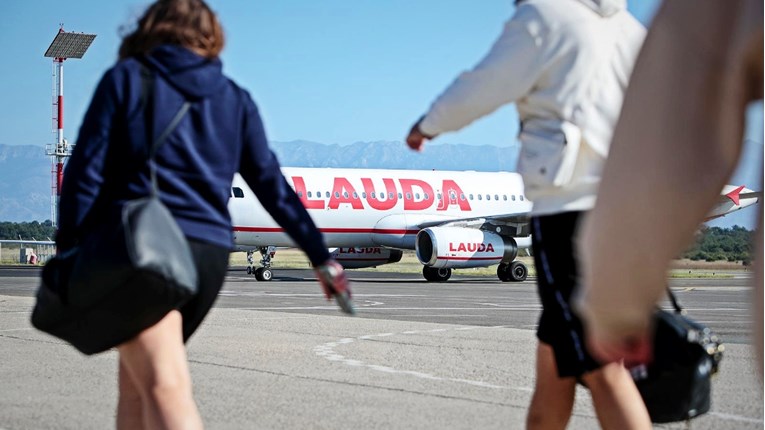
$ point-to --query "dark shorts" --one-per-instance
(212, 264)
(556, 265)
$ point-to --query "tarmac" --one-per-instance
(259, 369)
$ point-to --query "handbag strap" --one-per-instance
(147, 99)
(673, 299)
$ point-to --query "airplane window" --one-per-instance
(479, 197)
(417, 196)
(453, 195)
(521, 198)
(496, 197)
(504, 197)
(337, 195)
(326, 194)
(513, 197)
(427, 197)
(471, 197)
(408, 196)
(488, 197)
(345, 194)
(309, 194)
(462, 196)
(355, 195)
(373, 196)
(439, 196)
(363, 195)
(300, 194)
(238, 193)
(382, 196)
(399, 196)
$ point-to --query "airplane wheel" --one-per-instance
(266, 275)
(503, 272)
(436, 275)
(518, 271)
(263, 274)
(249, 270)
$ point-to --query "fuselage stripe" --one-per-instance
(470, 258)
(329, 230)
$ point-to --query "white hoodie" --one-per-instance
(566, 64)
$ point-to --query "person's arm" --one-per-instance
(260, 168)
(505, 74)
(676, 144)
(84, 172)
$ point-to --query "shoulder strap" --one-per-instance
(147, 101)
(673, 299)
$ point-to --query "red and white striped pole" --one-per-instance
(60, 150)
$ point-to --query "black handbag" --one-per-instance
(122, 277)
(676, 385)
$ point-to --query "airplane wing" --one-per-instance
(513, 224)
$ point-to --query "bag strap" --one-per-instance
(675, 303)
(147, 99)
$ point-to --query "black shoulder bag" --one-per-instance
(676, 385)
(124, 276)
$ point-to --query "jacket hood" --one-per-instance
(605, 7)
(192, 75)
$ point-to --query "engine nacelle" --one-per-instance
(455, 247)
(362, 257)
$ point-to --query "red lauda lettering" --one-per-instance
(343, 192)
(452, 193)
(406, 186)
(301, 191)
(471, 247)
(340, 189)
(378, 204)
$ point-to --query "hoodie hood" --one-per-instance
(194, 76)
(605, 7)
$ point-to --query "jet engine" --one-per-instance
(362, 257)
(459, 247)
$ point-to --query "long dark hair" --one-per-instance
(189, 23)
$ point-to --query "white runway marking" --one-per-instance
(736, 417)
(17, 329)
(327, 350)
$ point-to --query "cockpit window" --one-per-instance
(238, 193)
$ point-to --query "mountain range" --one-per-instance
(26, 179)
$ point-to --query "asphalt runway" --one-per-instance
(418, 355)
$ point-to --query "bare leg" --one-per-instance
(553, 397)
(617, 401)
(156, 361)
(129, 408)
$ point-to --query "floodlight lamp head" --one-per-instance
(69, 45)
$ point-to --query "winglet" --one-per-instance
(734, 195)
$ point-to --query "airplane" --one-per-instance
(451, 219)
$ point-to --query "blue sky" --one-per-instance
(330, 71)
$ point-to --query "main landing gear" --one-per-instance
(515, 271)
(263, 273)
(436, 275)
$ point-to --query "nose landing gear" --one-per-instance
(263, 273)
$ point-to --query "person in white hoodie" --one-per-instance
(566, 65)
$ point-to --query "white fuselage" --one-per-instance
(375, 207)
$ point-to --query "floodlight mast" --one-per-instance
(65, 45)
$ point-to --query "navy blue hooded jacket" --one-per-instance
(222, 133)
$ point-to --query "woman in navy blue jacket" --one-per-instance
(179, 42)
